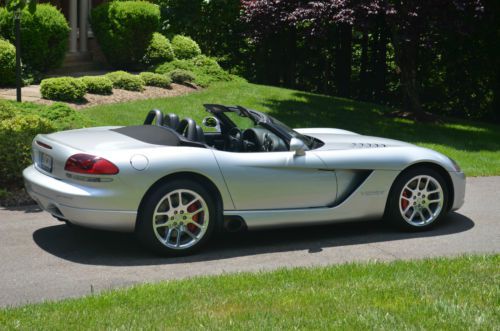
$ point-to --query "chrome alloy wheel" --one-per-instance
(180, 219)
(421, 200)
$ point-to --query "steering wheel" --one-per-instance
(268, 143)
(234, 139)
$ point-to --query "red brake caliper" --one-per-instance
(195, 206)
(404, 202)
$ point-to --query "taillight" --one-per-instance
(90, 164)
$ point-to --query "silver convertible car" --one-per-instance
(174, 183)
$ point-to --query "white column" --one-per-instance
(84, 15)
(73, 20)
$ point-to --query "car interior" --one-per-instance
(222, 132)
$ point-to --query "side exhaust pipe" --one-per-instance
(234, 224)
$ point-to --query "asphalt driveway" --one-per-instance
(43, 259)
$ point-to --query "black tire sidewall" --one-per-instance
(393, 214)
(144, 227)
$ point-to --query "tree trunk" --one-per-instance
(380, 69)
(363, 74)
(343, 60)
(406, 59)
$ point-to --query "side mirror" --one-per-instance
(211, 122)
(298, 146)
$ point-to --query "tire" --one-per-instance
(172, 229)
(418, 199)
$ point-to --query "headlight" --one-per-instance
(456, 167)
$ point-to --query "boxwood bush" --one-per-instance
(16, 135)
(98, 84)
(63, 89)
(44, 36)
(158, 51)
(205, 69)
(124, 30)
(181, 76)
(185, 47)
(7, 63)
(158, 80)
(124, 80)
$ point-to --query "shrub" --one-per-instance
(7, 63)
(152, 79)
(126, 81)
(63, 89)
(181, 76)
(16, 135)
(6, 110)
(98, 84)
(185, 47)
(159, 50)
(44, 36)
(63, 117)
(205, 69)
(124, 30)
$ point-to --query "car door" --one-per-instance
(276, 180)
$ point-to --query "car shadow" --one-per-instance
(94, 247)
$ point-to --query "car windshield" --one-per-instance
(291, 132)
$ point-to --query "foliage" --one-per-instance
(126, 81)
(185, 47)
(181, 76)
(214, 24)
(7, 63)
(63, 89)
(124, 30)
(153, 79)
(205, 69)
(19, 123)
(98, 84)
(16, 134)
(440, 293)
(475, 146)
(44, 36)
(159, 50)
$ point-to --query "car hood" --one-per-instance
(336, 139)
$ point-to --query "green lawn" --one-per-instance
(446, 294)
(476, 146)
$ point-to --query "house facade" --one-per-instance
(83, 48)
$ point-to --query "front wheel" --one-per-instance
(418, 199)
(177, 218)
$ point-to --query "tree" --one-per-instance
(16, 6)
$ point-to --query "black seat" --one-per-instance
(171, 120)
(188, 128)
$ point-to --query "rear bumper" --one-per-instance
(64, 200)
(458, 180)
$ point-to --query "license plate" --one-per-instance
(46, 162)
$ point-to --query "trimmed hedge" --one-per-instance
(98, 84)
(181, 76)
(185, 47)
(124, 80)
(124, 30)
(158, 80)
(16, 135)
(63, 89)
(44, 36)
(7, 63)
(159, 50)
(205, 69)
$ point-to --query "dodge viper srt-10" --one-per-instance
(174, 182)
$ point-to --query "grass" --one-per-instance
(445, 294)
(475, 145)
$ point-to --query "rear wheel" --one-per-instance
(177, 218)
(418, 199)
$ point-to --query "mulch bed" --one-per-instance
(16, 197)
(150, 92)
